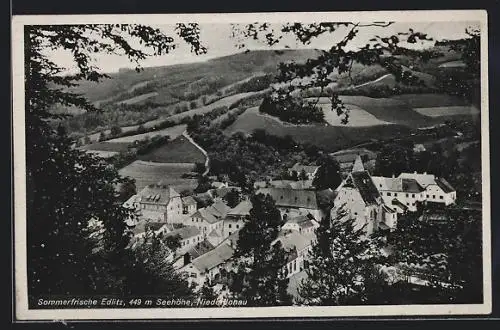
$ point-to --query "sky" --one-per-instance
(217, 39)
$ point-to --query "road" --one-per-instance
(207, 159)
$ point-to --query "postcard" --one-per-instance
(254, 165)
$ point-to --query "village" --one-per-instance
(208, 235)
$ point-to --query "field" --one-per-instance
(146, 173)
(173, 132)
(448, 111)
(103, 154)
(116, 146)
(179, 150)
(325, 136)
(400, 109)
(138, 98)
(358, 117)
(453, 64)
(226, 101)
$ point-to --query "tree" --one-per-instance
(149, 272)
(102, 136)
(71, 197)
(116, 130)
(393, 159)
(232, 198)
(127, 190)
(328, 174)
(294, 79)
(192, 105)
(338, 264)
(204, 185)
(447, 253)
(207, 292)
(261, 259)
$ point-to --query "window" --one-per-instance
(237, 226)
(229, 225)
(407, 195)
(388, 194)
(281, 197)
(193, 275)
(229, 233)
(441, 197)
(427, 196)
(396, 194)
(408, 204)
(412, 195)
(355, 213)
(434, 196)
(294, 265)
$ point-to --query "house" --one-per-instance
(302, 223)
(189, 236)
(401, 193)
(188, 205)
(292, 202)
(346, 158)
(220, 193)
(205, 221)
(360, 198)
(301, 184)
(194, 252)
(309, 170)
(437, 190)
(210, 218)
(299, 246)
(160, 203)
(213, 266)
(236, 217)
(143, 227)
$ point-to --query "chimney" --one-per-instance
(393, 176)
(415, 172)
(425, 172)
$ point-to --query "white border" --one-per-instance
(21, 304)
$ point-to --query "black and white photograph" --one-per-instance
(251, 165)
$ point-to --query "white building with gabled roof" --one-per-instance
(436, 189)
(361, 200)
(161, 203)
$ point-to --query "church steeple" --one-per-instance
(358, 165)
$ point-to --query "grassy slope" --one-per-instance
(233, 68)
(325, 136)
(179, 150)
(146, 173)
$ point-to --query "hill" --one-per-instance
(188, 81)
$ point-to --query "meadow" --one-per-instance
(179, 150)
(146, 173)
(448, 111)
(117, 146)
(173, 132)
(330, 138)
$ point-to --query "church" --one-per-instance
(358, 196)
